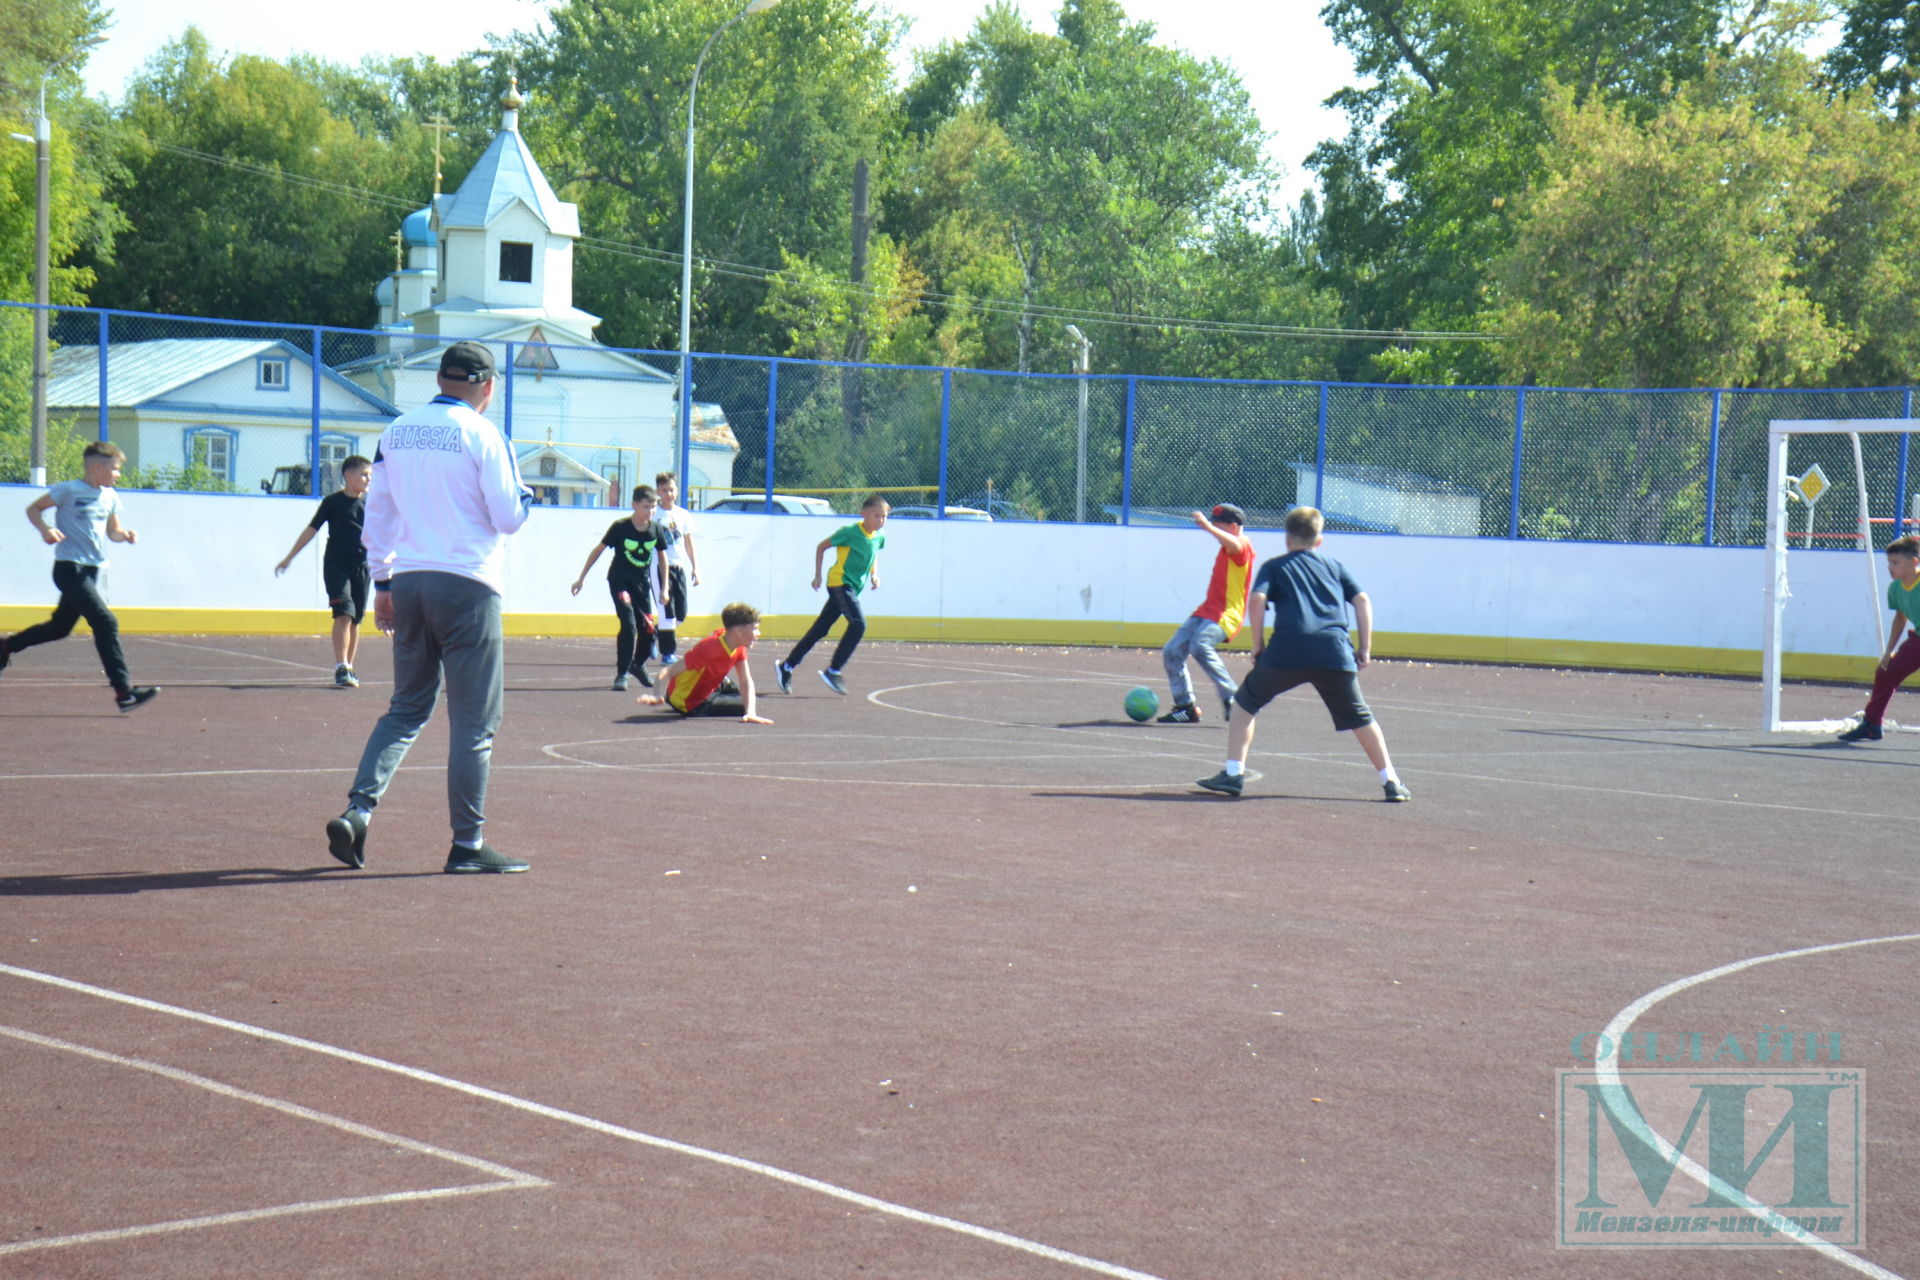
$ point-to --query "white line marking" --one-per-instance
(508, 1179)
(236, 653)
(802, 1181)
(1610, 1080)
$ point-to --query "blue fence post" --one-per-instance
(1320, 454)
(506, 411)
(773, 409)
(103, 377)
(946, 421)
(313, 434)
(1126, 464)
(1900, 476)
(1713, 469)
(1519, 447)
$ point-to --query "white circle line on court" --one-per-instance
(1609, 1073)
(507, 1179)
(606, 1128)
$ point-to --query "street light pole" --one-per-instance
(1082, 364)
(686, 254)
(42, 141)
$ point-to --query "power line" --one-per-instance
(991, 306)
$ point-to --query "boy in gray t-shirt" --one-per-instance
(86, 518)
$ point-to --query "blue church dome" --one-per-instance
(416, 230)
(383, 292)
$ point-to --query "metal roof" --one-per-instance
(139, 372)
(506, 173)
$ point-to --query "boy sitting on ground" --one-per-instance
(699, 682)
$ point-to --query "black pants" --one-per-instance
(727, 700)
(841, 603)
(676, 608)
(636, 632)
(80, 598)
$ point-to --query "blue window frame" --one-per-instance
(270, 374)
(215, 448)
(335, 449)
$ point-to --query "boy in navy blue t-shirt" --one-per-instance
(1309, 645)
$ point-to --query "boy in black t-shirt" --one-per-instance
(343, 568)
(639, 545)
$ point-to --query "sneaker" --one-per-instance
(783, 674)
(1227, 784)
(347, 838)
(142, 694)
(834, 682)
(1397, 792)
(485, 859)
(1865, 731)
(1185, 713)
(344, 678)
(6, 654)
(640, 674)
(619, 684)
(1226, 708)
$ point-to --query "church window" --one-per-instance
(516, 261)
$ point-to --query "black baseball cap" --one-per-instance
(466, 362)
(1227, 513)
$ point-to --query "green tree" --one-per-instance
(1879, 49)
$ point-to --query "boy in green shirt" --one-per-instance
(856, 546)
(1902, 657)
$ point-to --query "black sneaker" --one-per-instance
(834, 682)
(1227, 784)
(1865, 731)
(347, 838)
(484, 860)
(1185, 713)
(142, 694)
(783, 675)
(640, 674)
(619, 684)
(6, 654)
(1397, 792)
(344, 678)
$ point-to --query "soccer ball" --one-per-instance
(1142, 702)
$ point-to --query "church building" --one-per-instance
(493, 263)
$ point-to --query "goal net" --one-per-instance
(1831, 567)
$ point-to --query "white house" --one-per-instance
(241, 408)
(493, 263)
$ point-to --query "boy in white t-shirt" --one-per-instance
(681, 564)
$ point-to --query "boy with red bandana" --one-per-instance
(1216, 622)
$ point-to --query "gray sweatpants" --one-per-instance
(441, 622)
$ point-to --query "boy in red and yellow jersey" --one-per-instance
(1216, 621)
(699, 682)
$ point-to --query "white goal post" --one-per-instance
(1780, 485)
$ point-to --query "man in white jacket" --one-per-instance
(446, 494)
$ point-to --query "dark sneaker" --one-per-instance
(1397, 792)
(344, 678)
(1865, 731)
(1226, 708)
(347, 838)
(6, 655)
(142, 694)
(1186, 713)
(1227, 784)
(484, 860)
(834, 682)
(640, 674)
(783, 674)
(619, 684)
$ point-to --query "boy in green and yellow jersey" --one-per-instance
(855, 546)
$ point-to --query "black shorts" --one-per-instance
(347, 591)
(1340, 690)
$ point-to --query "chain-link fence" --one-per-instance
(226, 406)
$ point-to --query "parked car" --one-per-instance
(783, 504)
(930, 513)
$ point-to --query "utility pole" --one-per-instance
(42, 141)
(852, 381)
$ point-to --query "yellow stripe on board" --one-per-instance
(1499, 650)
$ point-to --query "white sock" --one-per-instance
(1388, 775)
(467, 844)
(1234, 768)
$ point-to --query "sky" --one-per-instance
(1284, 56)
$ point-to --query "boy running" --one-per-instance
(633, 580)
(1217, 620)
(856, 547)
(681, 564)
(1902, 656)
(699, 684)
(86, 518)
(1309, 645)
(343, 568)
